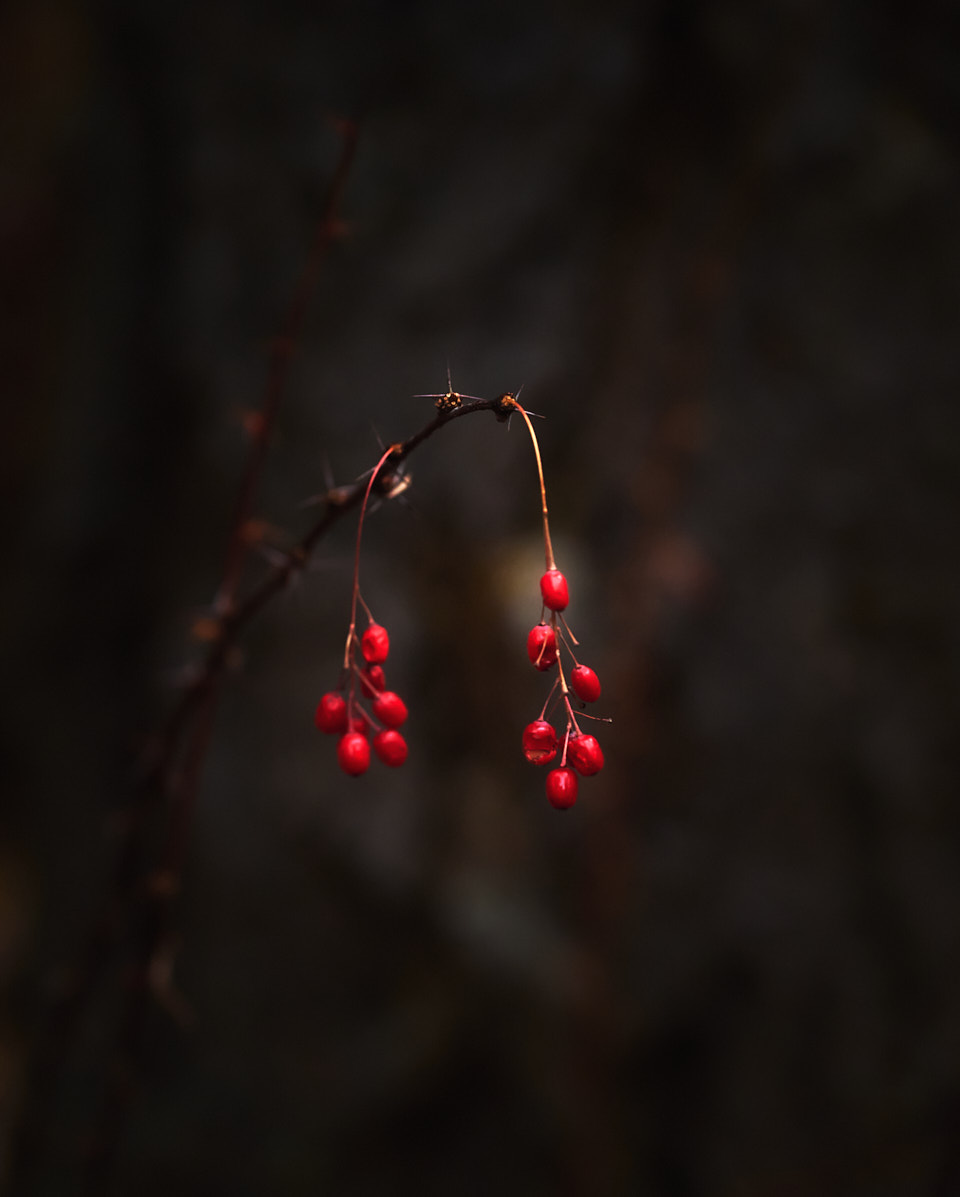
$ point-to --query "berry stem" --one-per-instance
(566, 643)
(566, 741)
(569, 631)
(564, 688)
(553, 690)
(365, 607)
(547, 543)
(352, 631)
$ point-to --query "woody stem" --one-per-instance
(547, 543)
(356, 559)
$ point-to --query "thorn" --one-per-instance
(450, 399)
(506, 405)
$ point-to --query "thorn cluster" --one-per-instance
(449, 400)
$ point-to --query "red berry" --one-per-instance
(372, 681)
(353, 753)
(553, 588)
(542, 646)
(562, 788)
(585, 683)
(375, 644)
(585, 754)
(360, 724)
(539, 742)
(390, 747)
(331, 714)
(390, 709)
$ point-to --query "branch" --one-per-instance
(136, 911)
(152, 933)
(66, 1008)
(281, 350)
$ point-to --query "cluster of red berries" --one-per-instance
(342, 712)
(346, 715)
(579, 753)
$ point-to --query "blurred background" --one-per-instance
(717, 244)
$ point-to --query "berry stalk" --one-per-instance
(510, 400)
(352, 631)
(544, 642)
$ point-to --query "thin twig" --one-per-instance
(150, 931)
(66, 1009)
(281, 350)
(130, 913)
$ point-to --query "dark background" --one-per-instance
(718, 245)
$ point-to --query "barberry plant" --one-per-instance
(579, 753)
(361, 709)
(364, 714)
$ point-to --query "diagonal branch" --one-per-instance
(152, 928)
(135, 915)
(281, 350)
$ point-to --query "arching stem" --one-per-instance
(352, 631)
(547, 544)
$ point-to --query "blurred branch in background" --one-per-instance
(717, 242)
(136, 914)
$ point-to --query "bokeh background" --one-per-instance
(717, 244)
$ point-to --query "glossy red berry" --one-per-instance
(375, 644)
(539, 742)
(585, 754)
(390, 747)
(331, 714)
(542, 646)
(585, 683)
(562, 788)
(390, 709)
(360, 724)
(353, 753)
(553, 588)
(372, 681)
